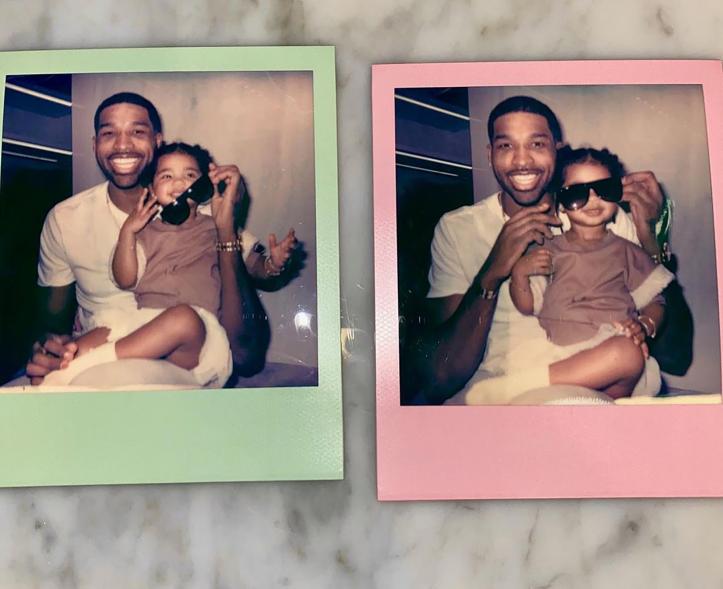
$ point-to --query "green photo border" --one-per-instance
(285, 433)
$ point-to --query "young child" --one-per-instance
(596, 295)
(173, 271)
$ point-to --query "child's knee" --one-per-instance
(627, 355)
(185, 318)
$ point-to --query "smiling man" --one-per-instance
(472, 324)
(80, 233)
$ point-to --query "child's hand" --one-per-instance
(143, 212)
(280, 252)
(536, 263)
(633, 329)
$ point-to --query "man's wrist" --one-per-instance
(226, 234)
(646, 236)
(487, 286)
(648, 324)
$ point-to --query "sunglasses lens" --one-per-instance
(573, 197)
(176, 212)
(610, 189)
(200, 191)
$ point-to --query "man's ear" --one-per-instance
(489, 154)
(93, 141)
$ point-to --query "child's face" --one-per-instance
(174, 174)
(597, 211)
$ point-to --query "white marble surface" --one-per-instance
(335, 534)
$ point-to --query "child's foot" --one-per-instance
(100, 355)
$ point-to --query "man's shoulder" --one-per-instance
(623, 226)
(486, 209)
(83, 199)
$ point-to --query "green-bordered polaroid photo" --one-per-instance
(169, 260)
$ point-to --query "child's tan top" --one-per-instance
(596, 283)
(181, 265)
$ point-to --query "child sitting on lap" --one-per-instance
(596, 295)
(172, 268)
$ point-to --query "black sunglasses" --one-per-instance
(575, 196)
(178, 211)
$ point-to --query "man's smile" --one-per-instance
(125, 163)
(523, 180)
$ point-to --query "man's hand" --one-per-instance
(53, 354)
(280, 252)
(525, 227)
(634, 330)
(642, 191)
(222, 205)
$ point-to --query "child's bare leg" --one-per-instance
(613, 367)
(176, 335)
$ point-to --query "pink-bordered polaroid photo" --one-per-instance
(547, 293)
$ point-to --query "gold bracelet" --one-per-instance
(271, 269)
(664, 256)
(484, 293)
(229, 246)
(651, 330)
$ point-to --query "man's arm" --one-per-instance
(53, 346)
(56, 305)
(673, 345)
(452, 346)
(242, 315)
(642, 192)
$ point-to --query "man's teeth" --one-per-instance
(125, 162)
(524, 179)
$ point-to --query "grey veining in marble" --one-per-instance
(335, 534)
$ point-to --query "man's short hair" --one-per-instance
(524, 104)
(130, 98)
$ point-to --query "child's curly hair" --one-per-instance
(202, 156)
(567, 156)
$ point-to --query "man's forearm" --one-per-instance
(448, 354)
(672, 346)
(242, 315)
(57, 310)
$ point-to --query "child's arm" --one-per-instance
(536, 263)
(125, 258)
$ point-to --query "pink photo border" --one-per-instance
(497, 452)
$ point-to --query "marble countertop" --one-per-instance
(335, 534)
